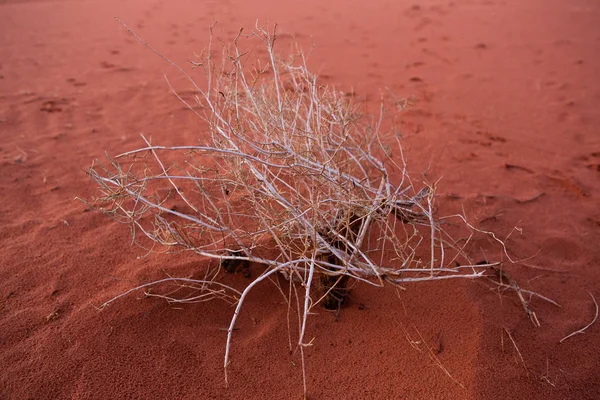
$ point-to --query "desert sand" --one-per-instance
(506, 115)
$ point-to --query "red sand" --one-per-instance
(498, 82)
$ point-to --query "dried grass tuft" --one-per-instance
(293, 178)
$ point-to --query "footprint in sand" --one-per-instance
(53, 106)
(591, 161)
(107, 65)
(75, 83)
(491, 137)
(112, 67)
(413, 11)
(488, 139)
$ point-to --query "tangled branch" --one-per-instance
(292, 177)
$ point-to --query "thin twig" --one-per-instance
(518, 351)
(582, 330)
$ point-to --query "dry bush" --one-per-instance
(292, 179)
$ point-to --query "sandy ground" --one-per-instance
(507, 115)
